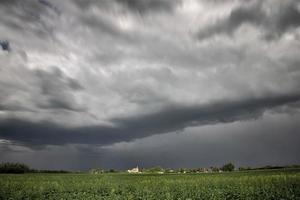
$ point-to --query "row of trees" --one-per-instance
(225, 168)
(269, 167)
(20, 168)
(17, 168)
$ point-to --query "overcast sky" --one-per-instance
(174, 83)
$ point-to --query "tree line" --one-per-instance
(20, 168)
(17, 168)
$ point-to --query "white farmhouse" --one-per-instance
(134, 170)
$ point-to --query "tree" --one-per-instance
(215, 169)
(155, 169)
(228, 167)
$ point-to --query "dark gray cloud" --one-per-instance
(173, 118)
(50, 89)
(93, 3)
(5, 45)
(135, 6)
(179, 117)
(50, 5)
(271, 140)
(15, 13)
(145, 6)
(55, 86)
(273, 18)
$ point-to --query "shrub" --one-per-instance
(228, 167)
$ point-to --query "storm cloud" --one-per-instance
(273, 18)
(127, 129)
(145, 6)
(89, 76)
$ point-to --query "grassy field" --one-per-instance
(273, 184)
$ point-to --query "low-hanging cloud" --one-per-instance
(174, 118)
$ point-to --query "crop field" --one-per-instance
(256, 185)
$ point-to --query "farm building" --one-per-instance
(134, 170)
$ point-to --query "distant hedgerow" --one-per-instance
(17, 168)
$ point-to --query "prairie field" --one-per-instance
(256, 185)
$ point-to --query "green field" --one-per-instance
(273, 184)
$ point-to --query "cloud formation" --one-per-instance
(173, 118)
(103, 72)
(274, 18)
(145, 6)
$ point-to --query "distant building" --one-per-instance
(134, 170)
(207, 170)
(96, 171)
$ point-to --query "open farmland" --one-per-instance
(273, 184)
